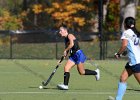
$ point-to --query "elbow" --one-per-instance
(71, 45)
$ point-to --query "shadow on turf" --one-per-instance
(82, 89)
(134, 90)
(55, 88)
(44, 88)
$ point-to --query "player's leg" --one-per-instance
(83, 71)
(81, 58)
(67, 68)
(137, 76)
(122, 85)
(136, 70)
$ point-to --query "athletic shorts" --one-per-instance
(134, 68)
(78, 57)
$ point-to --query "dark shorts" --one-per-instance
(78, 57)
(134, 68)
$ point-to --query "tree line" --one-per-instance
(79, 15)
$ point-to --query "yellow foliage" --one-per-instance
(24, 13)
(88, 0)
(75, 6)
(49, 10)
(79, 6)
(56, 5)
(6, 18)
(9, 22)
(67, 19)
(6, 13)
(37, 8)
(72, 12)
(66, 12)
(67, 2)
(80, 21)
(57, 15)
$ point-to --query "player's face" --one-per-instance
(62, 31)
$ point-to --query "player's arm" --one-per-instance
(70, 45)
(122, 48)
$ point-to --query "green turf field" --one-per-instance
(19, 80)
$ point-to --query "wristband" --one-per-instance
(118, 54)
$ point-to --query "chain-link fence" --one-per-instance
(47, 45)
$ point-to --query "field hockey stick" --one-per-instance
(45, 83)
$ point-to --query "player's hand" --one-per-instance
(116, 55)
(65, 53)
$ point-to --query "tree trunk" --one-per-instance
(24, 5)
(127, 8)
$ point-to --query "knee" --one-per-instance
(123, 78)
(66, 69)
(82, 72)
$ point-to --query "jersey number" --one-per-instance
(136, 41)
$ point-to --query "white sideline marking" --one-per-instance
(18, 72)
(66, 92)
(13, 72)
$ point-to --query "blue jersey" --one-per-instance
(133, 46)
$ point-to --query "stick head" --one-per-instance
(44, 83)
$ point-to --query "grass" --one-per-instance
(20, 80)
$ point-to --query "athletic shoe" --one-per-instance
(98, 74)
(62, 87)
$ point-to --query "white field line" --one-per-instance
(25, 72)
(13, 72)
(18, 72)
(66, 92)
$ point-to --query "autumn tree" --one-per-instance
(113, 16)
(76, 14)
(11, 16)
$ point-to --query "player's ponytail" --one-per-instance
(136, 31)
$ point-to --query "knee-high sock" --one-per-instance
(66, 78)
(90, 72)
(121, 90)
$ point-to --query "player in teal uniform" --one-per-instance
(131, 42)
